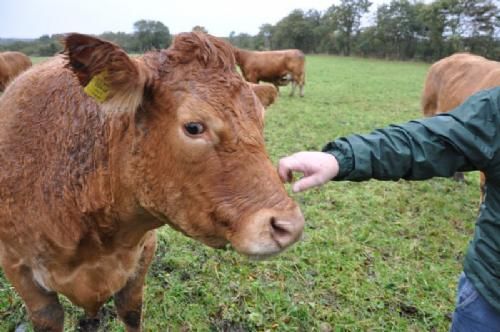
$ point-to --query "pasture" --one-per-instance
(376, 256)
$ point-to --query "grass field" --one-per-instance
(377, 256)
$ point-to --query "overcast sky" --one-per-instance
(33, 18)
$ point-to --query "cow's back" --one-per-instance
(291, 60)
(271, 65)
(55, 188)
(11, 65)
(452, 80)
(296, 62)
(17, 59)
(51, 140)
(4, 73)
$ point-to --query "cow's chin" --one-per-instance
(262, 234)
(258, 251)
(215, 243)
(253, 253)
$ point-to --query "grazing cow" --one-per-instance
(452, 80)
(11, 65)
(276, 67)
(98, 149)
(267, 93)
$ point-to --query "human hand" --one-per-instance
(317, 167)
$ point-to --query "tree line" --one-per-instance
(400, 29)
(147, 35)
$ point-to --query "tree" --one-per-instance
(294, 31)
(242, 40)
(482, 18)
(151, 35)
(433, 18)
(127, 41)
(405, 29)
(368, 43)
(199, 28)
(329, 32)
(263, 40)
(399, 28)
(347, 18)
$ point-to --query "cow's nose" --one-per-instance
(286, 231)
(268, 232)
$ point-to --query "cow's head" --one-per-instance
(283, 80)
(192, 153)
(267, 93)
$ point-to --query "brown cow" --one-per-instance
(173, 137)
(11, 65)
(267, 93)
(276, 67)
(452, 80)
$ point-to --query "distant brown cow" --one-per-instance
(267, 93)
(452, 80)
(86, 174)
(11, 65)
(276, 67)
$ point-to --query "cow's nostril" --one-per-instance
(268, 232)
(281, 230)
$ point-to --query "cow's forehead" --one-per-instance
(237, 106)
(207, 76)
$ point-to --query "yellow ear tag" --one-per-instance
(97, 88)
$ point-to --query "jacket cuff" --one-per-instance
(343, 153)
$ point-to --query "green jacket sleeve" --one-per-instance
(464, 139)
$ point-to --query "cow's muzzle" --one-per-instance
(268, 232)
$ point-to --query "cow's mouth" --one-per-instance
(267, 232)
(216, 243)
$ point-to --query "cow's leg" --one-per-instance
(294, 84)
(301, 80)
(128, 300)
(277, 87)
(44, 310)
(88, 324)
(91, 321)
(302, 89)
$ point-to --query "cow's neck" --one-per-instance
(240, 55)
(131, 221)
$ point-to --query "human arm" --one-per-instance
(462, 140)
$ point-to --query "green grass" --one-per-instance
(377, 256)
(38, 59)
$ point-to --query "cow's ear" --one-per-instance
(105, 71)
(267, 93)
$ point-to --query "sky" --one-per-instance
(34, 18)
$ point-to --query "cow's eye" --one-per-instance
(194, 128)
